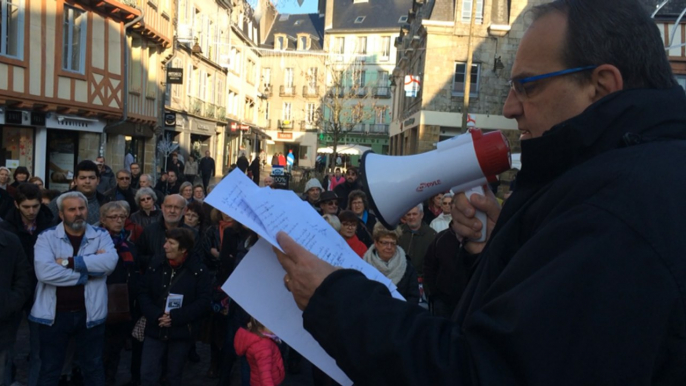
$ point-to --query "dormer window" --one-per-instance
(303, 43)
(359, 19)
(298, 22)
(280, 42)
(403, 19)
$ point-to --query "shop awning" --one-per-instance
(345, 149)
(260, 133)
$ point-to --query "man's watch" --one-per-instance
(65, 263)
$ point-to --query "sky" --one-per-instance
(292, 7)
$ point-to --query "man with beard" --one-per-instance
(343, 190)
(123, 191)
(72, 261)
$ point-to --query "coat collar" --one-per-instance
(621, 119)
(91, 231)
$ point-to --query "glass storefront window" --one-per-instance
(136, 147)
(62, 148)
(17, 147)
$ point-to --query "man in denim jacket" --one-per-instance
(72, 261)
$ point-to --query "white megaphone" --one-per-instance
(395, 184)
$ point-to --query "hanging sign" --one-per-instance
(412, 84)
(174, 75)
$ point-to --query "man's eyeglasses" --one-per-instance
(349, 225)
(520, 90)
(123, 178)
(146, 199)
(113, 218)
(387, 243)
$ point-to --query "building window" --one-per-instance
(681, 79)
(339, 46)
(249, 110)
(136, 65)
(74, 39)
(151, 88)
(361, 45)
(303, 43)
(385, 48)
(310, 112)
(459, 80)
(467, 11)
(359, 19)
(288, 78)
(12, 28)
(402, 19)
(280, 43)
(286, 111)
(266, 76)
(267, 111)
(176, 89)
(312, 77)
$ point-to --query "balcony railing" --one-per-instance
(358, 91)
(336, 91)
(378, 128)
(210, 110)
(311, 91)
(308, 126)
(358, 128)
(382, 92)
(221, 113)
(196, 106)
(287, 91)
(285, 124)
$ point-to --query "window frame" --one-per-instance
(20, 28)
(83, 32)
(473, 91)
(466, 15)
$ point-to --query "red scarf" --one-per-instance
(175, 264)
(222, 226)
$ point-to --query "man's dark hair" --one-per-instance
(51, 193)
(27, 192)
(86, 166)
(347, 216)
(183, 236)
(616, 32)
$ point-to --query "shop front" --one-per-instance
(66, 141)
(17, 143)
(303, 145)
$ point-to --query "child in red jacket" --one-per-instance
(257, 344)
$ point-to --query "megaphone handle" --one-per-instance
(479, 214)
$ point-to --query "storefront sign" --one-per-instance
(170, 119)
(12, 163)
(202, 127)
(174, 75)
(13, 117)
(235, 126)
(37, 119)
(409, 122)
(284, 135)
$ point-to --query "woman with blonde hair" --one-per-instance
(386, 256)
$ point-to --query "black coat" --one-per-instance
(129, 196)
(152, 240)
(6, 202)
(15, 286)
(15, 225)
(343, 190)
(206, 167)
(192, 281)
(581, 283)
(447, 272)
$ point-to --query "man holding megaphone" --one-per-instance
(582, 277)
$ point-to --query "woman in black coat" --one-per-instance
(174, 297)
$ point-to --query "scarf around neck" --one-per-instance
(394, 269)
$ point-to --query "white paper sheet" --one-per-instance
(268, 301)
(257, 283)
(174, 301)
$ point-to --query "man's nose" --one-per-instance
(512, 107)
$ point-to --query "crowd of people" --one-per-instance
(136, 265)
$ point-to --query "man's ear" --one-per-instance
(606, 79)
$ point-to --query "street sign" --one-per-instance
(174, 75)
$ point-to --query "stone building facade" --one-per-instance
(433, 48)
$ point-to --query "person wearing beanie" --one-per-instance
(313, 189)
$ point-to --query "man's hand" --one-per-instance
(165, 320)
(59, 260)
(100, 251)
(469, 227)
(304, 271)
(214, 252)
